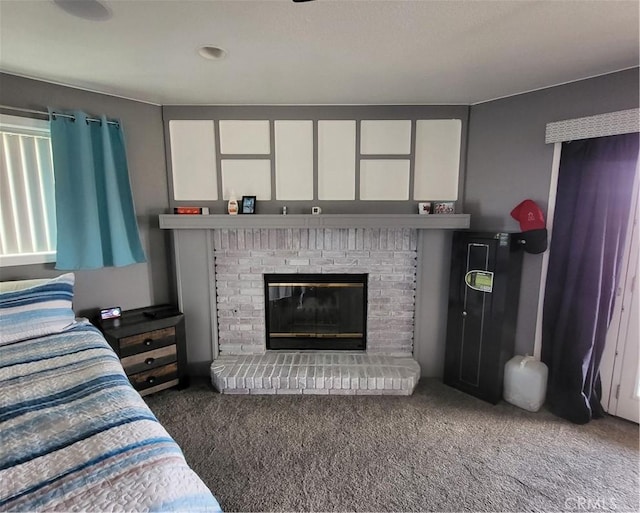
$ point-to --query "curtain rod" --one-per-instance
(45, 113)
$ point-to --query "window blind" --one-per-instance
(27, 197)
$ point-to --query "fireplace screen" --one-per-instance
(316, 311)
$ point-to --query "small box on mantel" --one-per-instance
(192, 211)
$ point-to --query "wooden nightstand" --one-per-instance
(151, 345)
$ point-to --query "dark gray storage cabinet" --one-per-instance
(483, 306)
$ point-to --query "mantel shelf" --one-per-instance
(224, 221)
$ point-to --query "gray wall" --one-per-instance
(508, 161)
(432, 293)
(136, 285)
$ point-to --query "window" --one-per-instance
(27, 197)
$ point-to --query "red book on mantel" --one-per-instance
(191, 210)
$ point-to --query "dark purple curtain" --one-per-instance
(595, 186)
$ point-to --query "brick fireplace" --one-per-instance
(387, 257)
(220, 261)
(242, 256)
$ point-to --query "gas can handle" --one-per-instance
(526, 359)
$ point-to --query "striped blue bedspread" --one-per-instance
(75, 436)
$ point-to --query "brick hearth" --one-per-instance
(325, 373)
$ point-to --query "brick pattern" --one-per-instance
(242, 256)
(324, 373)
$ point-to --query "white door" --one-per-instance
(620, 368)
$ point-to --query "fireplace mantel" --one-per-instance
(224, 221)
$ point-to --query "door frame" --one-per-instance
(611, 365)
(551, 210)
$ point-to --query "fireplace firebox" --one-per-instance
(316, 311)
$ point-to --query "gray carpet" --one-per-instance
(438, 450)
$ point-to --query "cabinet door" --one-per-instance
(336, 160)
(470, 342)
(476, 310)
(193, 160)
(385, 137)
(294, 160)
(437, 164)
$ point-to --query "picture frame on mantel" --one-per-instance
(424, 207)
(445, 207)
(248, 205)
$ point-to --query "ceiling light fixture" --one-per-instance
(92, 10)
(212, 53)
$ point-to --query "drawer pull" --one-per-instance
(148, 341)
(149, 361)
(151, 380)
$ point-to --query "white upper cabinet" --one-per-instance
(193, 160)
(294, 160)
(336, 160)
(244, 137)
(244, 177)
(349, 160)
(384, 180)
(437, 159)
(385, 137)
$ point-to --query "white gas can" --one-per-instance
(525, 382)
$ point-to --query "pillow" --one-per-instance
(38, 310)
(8, 286)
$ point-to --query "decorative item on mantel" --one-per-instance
(424, 207)
(232, 207)
(248, 205)
(444, 207)
(192, 211)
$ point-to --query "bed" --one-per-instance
(74, 434)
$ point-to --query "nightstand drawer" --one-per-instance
(154, 377)
(150, 359)
(147, 341)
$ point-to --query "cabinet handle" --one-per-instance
(151, 380)
(148, 342)
(464, 314)
(149, 361)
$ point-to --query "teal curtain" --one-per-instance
(96, 221)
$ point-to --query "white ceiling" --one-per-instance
(322, 52)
